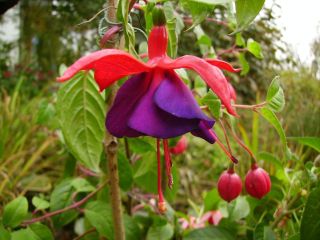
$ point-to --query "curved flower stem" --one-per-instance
(239, 141)
(225, 135)
(72, 206)
(230, 156)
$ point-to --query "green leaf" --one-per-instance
(125, 172)
(254, 48)
(139, 145)
(211, 200)
(275, 96)
(263, 233)
(239, 208)
(273, 120)
(4, 234)
(61, 197)
(82, 185)
(312, 142)
(245, 67)
(40, 203)
(100, 216)
(15, 212)
(240, 40)
(199, 9)
(310, 224)
(160, 232)
(41, 232)
(46, 112)
(145, 172)
(246, 12)
(23, 234)
(81, 112)
(213, 103)
(269, 158)
(209, 233)
(35, 231)
(132, 229)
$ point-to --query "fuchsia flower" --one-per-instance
(154, 101)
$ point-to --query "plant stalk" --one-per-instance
(111, 148)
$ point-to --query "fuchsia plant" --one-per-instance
(154, 101)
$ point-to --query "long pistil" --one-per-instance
(161, 202)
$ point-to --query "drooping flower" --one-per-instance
(154, 101)
(257, 182)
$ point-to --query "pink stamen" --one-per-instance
(168, 162)
(161, 203)
(230, 156)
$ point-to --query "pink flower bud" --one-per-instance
(180, 147)
(229, 185)
(257, 182)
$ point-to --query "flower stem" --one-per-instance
(242, 144)
(230, 156)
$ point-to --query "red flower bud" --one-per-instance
(257, 182)
(180, 147)
(229, 185)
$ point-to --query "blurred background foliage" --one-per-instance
(33, 157)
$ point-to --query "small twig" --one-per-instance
(72, 206)
(85, 233)
(91, 19)
(242, 106)
(189, 20)
(286, 211)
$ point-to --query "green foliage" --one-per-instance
(81, 114)
(246, 12)
(33, 232)
(99, 215)
(310, 225)
(263, 232)
(275, 96)
(312, 142)
(15, 212)
(274, 121)
(61, 197)
(209, 233)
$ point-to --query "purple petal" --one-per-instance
(203, 132)
(126, 99)
(151, 120)
(174, 97)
